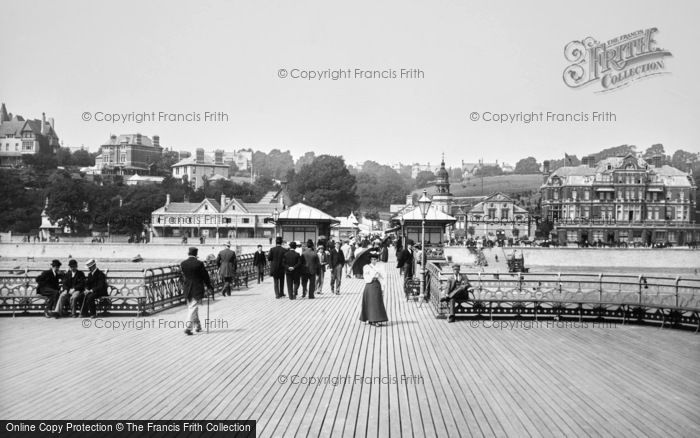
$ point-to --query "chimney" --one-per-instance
(200, 155)
(113, 138)
(409, 199)
(156, 141)
(167, 201)
(223, 200)
(138, 138)
(43, 122)
(657, 160)
(51, 123)
(545, 170)
(219, 156)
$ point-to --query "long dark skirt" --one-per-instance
(373, 309)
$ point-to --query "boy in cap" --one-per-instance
(48, 286)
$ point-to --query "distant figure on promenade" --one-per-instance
(406, 260)
(259, 261)
(95, 287)
(195, 277)
(348, 252)
(323, 258)
(373, 310)
(293, 264)
(337, 262)
(457, 289)
(73, 290)
(227, 263)
(48, 285)
(310, 268)
(276, 259)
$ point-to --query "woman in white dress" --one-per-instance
(373, 310)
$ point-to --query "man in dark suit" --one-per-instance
(337, 261)
(228, 265)
(259, 261)
(406, 259)
(276, 258)
(95, 287)
(457, 289)
(310, 269)
(48, 285)
(73, 289)
(195, 277)
(293, 264)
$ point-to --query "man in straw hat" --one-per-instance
(195, 277)
(95, 287)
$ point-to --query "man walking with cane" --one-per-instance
(195, 277)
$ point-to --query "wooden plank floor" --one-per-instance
(310, 368)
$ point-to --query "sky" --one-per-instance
(183, 59)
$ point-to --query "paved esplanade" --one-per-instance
(416, 377)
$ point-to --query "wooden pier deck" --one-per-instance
(417, 376)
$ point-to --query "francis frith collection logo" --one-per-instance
(615, 63)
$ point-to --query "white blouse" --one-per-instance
(371, 272)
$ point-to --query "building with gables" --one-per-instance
(497, 217)
(620, 200)
(20, 137)
(224, 218)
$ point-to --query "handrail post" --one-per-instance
(640, 289)
(600, 287)
(559, 280)
(678, 279)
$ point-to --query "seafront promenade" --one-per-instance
(310, 368)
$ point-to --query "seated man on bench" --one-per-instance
(457, 289)
(48, 285)
(73, 287)
(95, 288)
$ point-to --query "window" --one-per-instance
(504, 213)
(246, 220)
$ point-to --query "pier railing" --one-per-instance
(131, 290)
(640, 298)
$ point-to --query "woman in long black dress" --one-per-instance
(373, 310)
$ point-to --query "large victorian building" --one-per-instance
(620, 200)
(128, 154)
(20, 137)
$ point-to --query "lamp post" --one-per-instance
(423, 205)
(275, 216)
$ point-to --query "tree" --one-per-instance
(326, 184)
(307, 158)
(83, 158)
(424, 178)
(655, 149)
(68, 202)
(378, 186)
(527, 165)
(682, 159)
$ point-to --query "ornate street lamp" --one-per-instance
(423, 205)
(275, 216)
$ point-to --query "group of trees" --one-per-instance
(680, 158)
